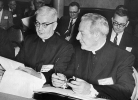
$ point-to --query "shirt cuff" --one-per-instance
(93, 92)
(42, 76)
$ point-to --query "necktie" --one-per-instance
(70, 27)
(115, 39)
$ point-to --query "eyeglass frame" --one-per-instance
(74, 12)
(121, 25)
(43, 24)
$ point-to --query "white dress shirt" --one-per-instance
(119, 37)
(1, 14)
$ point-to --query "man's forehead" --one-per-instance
(120, 19)
(43, 19)
(73, 8)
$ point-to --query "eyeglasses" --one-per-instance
(44, 25)
(73, 12)
(121, 25)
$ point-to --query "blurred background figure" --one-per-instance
(6, 19)
(68, 25)
(34, 5)
(16, 11)
(121, 33)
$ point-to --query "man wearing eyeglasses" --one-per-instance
(68, 25)
(121, 32)
(45, 52)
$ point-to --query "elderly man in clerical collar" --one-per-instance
(45, 52)
(98, 68)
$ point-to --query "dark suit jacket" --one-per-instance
(36, 53)
(6, 46)
(6, 20)
(109, 62)
(62, 27)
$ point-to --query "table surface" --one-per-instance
(4, 96)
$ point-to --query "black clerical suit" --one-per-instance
(110, 63)
(36, 53)
(62, 28)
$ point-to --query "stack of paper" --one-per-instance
(66, 92)
(17, 82)
(9, 64)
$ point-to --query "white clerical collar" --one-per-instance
(43, 40)
(94, 51)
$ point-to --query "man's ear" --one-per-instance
(54, 25)
(112, 19)
(127, 23)
(79, 11)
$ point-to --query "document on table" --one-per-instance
(67, 92)
(17, 82)
(9, 64)
(20, 83)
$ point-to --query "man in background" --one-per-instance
(6, 19)
(121, 32)
(16, 11)
(36, 4)
(68, 25)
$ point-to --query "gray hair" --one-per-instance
(98, 23)
(48, 12)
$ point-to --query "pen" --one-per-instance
(76, 72)
(55, 66)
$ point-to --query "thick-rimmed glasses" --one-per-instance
(73, 12)
(44, 25)
(120, 25)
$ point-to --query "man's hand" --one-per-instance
(80, 86)
(30, 71)
(58, 80)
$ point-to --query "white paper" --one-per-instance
(20, 83)
(66, 92)
(9, 64)
(129, 49)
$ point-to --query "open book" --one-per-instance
(66, 92)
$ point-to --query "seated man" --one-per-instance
(101, 68)
(45, 47)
